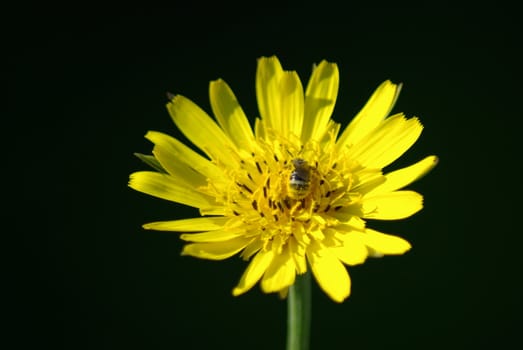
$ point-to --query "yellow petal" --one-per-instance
(367, 180)
(252, 248)
(371, 115)
(212, 236)
(199, 128)
(403, 177)
(353, 251)
(384, 243)
(329, 272)
(175, 154)
(298, 254)
(386, 143)
(392, 205)
(216, 250)
(280, 274)
(260, 129)
(254, 271)
(230, 115)
(292, 102)
(268, 91)
(280, 96)
(180, 172)
(320, 98)
(189, 225)
(163, 186)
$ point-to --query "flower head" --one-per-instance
(295, 193)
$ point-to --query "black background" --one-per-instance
(84, 84)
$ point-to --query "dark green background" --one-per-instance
(84, 88)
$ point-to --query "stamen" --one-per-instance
(255, 205)
(246, 188)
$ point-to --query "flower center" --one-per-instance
(282, 190)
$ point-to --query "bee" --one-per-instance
(300, 179)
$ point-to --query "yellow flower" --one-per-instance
(293, 194)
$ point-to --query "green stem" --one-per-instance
(299, 313)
